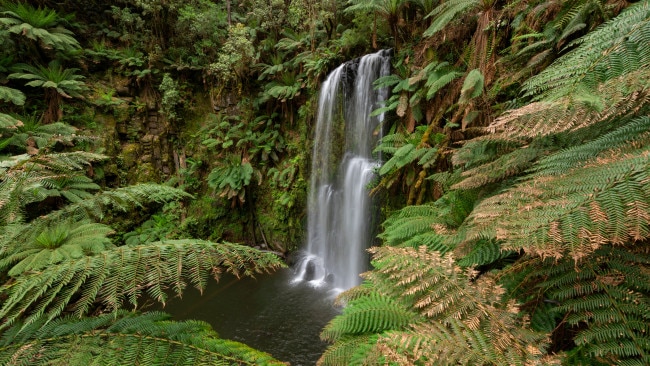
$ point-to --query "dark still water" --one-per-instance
(269, 313)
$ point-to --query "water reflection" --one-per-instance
(271, 313)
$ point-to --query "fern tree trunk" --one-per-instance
(374, 32)
(53, 111)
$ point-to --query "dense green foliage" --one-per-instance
(540, 224)
(124, 339)
(516, 177)
(67, 274)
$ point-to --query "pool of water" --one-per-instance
(271, 313)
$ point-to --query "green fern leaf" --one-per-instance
(447, 11)
(506, 166)
(14, 96)
(626, 36)
(483, 253)
(472, 86)
(369, 314)
(456, 309)
(348, 350)
(124, 338)
(122, 274)
(636, 132)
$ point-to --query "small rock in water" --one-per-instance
(310, 271)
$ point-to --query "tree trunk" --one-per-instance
(374, 32)
(228, 11)
(53, 111)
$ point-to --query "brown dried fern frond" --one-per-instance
(618, 97)
(462, 312)
(573, 214)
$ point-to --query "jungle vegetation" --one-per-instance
(139, 138)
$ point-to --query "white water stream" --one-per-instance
(339, 221)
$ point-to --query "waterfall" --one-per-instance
(339, 219)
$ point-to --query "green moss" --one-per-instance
(129, 155)
(144, 172)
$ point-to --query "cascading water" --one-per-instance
(339, 229)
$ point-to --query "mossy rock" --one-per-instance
(122, 112)
(130, 154)
(144, 172)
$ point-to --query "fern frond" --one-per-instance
(373, 313)
(63, 241)
(618, 97)
(604, 202)
(483, 150)
(439, 77)
(121, 275)
(91, 208)
(401, 157)
(482, 253)
(12, 95)
(632, 134)
(604, 298)
(610, 295)
(472, 86)
(457, 344)
(386, 81)
(8, 122)
(506, 166)
(30, 179)
(424, 278)
(63, 162)
(447, 11)
(466, 323)
(599, 56)
(348, 349)
(124, 338)
(408, 223)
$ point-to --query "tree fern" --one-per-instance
(62, 242)
(8, 122)
(465, 321)
(58, 82)
(617, 47)
(125, 339)
(31, 131)
(122, 275)
(122, 199)
(458, 344)
(38, 24)
(34, 178)
(93, 208)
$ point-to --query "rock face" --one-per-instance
(142, 143)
